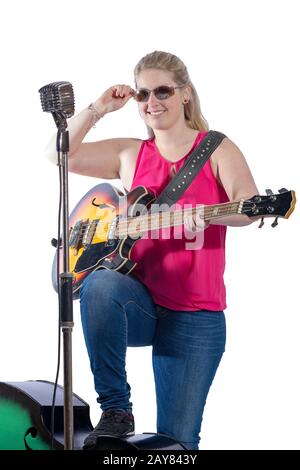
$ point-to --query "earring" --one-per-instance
(185, 101)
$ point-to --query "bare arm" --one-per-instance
(235, 176)
(99, 159)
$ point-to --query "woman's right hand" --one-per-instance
(114, 98)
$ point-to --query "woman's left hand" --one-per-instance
(195, 223)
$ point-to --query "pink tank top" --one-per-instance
(179, 278)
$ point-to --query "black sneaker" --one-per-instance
(113, 422)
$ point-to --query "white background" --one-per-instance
(243, 59)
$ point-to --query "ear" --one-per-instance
(187, 92)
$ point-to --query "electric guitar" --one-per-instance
(105, 224)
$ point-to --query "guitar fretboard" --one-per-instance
(136, 226)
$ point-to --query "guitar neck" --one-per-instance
(137, 226)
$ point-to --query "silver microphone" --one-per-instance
(58, 98)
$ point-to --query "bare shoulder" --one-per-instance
(223, 151)
(232, 171)
(227, 149)
(128, 146)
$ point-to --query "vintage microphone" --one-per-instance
(58, 99)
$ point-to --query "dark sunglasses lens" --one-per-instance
(142, 95)
(163, 92)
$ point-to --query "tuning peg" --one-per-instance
(261, 223)
(269, 192)
(283, 190)
(275, 222)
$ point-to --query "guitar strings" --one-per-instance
(157, 222)
(217, 211)
(209, 213)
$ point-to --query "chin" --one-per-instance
(159, 126)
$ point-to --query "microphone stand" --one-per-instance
(65, 292)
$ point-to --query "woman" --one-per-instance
(174, 299)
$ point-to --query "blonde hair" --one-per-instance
(171, 63)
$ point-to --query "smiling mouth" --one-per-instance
(155, 113)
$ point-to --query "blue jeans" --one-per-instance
(117, 311)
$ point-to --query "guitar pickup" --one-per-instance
(89, 232)
(76, 234)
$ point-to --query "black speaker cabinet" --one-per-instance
(25, 421)
(25, 410)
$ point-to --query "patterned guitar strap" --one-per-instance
(195, 162)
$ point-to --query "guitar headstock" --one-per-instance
(277, 205)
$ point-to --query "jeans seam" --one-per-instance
(133, 302)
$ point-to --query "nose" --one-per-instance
(152, 98)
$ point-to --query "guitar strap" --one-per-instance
(190, 169)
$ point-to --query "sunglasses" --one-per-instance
(162, 92)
